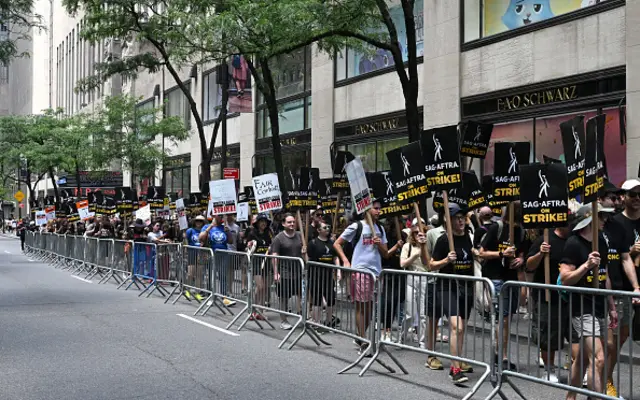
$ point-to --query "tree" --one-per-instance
(124, 132)
(19, 18)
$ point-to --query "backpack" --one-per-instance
(359, 226)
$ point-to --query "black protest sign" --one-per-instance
(61, 210)
(544, 198)
(49, 201)
(307, 193)
(251, 198)
(72, 212)
(506, 179)
(476, 196)
(441, 157)
(475, 139)
(594, 172)
(457, 196)
(155, 197)
(328, 198)
(340, 183)
(383, 191)
(487, 186)
(106, 206)
(92, 197)
(124, 201)
(407, 173)
(194, 201)
(573, 142)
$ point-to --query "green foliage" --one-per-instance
(20, 19)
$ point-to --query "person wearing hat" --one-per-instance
(217, 237)
(193, 233)
(577, 268)
(610, 197)
(456, 296)
(259, 238)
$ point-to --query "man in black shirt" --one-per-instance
(588, 311)
(321, 282)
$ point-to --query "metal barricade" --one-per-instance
(121, 262)
(29, 242)
(89, 256)
(168, 264)
(195, 273)
(230, 283)
(103, 259)
(76, 253)
(575, 325)
(144, 267)
(60, 250)
(284, 280)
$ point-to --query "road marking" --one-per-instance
(81, 279)
(197, 321)
(7, 252)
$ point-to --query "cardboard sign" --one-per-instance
(107, 206)
(223, 196)
(243, 212)
(487, 186)
(83, 210)
(407, 173)
(267, 192)
(304, 195)
(383, 191)
(124, 201)
(340, 182)
(441, 158)
(94, 198)
(50, 213)
(41, 218)
(475, 139)
(155, 197)
(544, 199)
(360, 192)
(251, 198)
(506, 179)
(594, 171)
(182, 215)
(144, 214)
(573, 142)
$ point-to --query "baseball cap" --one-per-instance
(415, 221)
(455, 209)
(630, 184)
(583, 216)
(609, 187)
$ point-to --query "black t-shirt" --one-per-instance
(498, 269)
(263, 240)
(630, 229)
(614, 237)
(322, 251)
(555, 255)
(312, 232)
(576, 253)
(463, 247)
(480, 232)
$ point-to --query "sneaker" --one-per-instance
(466, 368)
(363, 349)
(457, 376)
(358, 343)
(434, 364)
(550, 377)
(228, 303)
(509, 366)
(611, 389)
(187, 294)
(285, 326)
(386, 336)
(198, 297)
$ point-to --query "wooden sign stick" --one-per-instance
(396, 223)
(301, 227)
(470, 163)
(594, 240)
(334, 226)
(547, 267)
(447, 219)
(369, 221)
(512, 227)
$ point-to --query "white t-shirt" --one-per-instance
(365, 253)
(153, 236)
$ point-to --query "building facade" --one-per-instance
(524, 66)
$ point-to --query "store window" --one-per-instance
(177, 178)
(484, 18)
(351, 63)
(266, 164)
(291, 118)
(177, 105)
(211, 97)
(373, 155)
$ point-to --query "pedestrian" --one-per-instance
(22, 233)
(259, 239)
(395, 286)
(216, 236)
(233, 230)
(321, 281)
(316, 219)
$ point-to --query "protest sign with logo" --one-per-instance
(251, 198)
(223, 196)
(243, 212)
(83, 210)
(267, 192)
(360, 192)
(544, 197)
(383, 191)
(107, 206)
(71, 211)
(50, 213)
(93, 198)
(302, 191)
(124, 201)
(573, 142)
(594, 170)
(155, 197)
(340, 182)
(506, 179)
(441, 156)
(328, 198)
(407, 173)
(476, 196)
(194, 201)
(487, 186)
(41, 217)
(475, 139)
(182, 215)
(144, 213)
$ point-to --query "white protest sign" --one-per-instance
(243, 212)
(83, 210)
(41, 218)
(50, 213)
(182, 216)
(223, 197)
(267, 192)
(360, 192)
(144, 214)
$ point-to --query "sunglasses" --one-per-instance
(633, 195)
(325, 228)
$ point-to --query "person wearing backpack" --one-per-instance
(369, 247)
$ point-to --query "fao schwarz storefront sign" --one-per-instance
(549, 96)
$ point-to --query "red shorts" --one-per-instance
(362, 287)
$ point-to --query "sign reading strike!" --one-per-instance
(328, 198)
(41, 218)
(573, 142)
(182, 215)
(506, 179)
(544, 198)
(594, 170)
(223, 196)
(303, 196)
(267, 192)
(340, 181)
(475, 139)
(384, 191)
(83, 210)
(124, 201)
(359, 187)
(441, 156)
(407, 173)
(155, 197)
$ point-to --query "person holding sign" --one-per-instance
(217, 237)
(259, 238)
(456, 297)
(501, 261)
(577, 268)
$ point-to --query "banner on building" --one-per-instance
(383, 191)
(408, 173)
(441, 156)
(544, 197)
(573, 143)
(360, 192)
(594, 170)
(475, 139)
(506, 179)
(267, 192)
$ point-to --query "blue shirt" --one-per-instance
(192, 237)
(217, 238)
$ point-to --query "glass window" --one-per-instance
(308, 124)
(178, 106)
(211, 97)
(289, 73)
(145, 116)
(290, 117)
(373, 155)
(484, 18)
(216, 169)
(266, 164)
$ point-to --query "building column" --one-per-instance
(322, 96)
(247, 140)
(633, 86)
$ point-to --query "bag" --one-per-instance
(483, 296)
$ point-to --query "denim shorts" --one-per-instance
(508, 298)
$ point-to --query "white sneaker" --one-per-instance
(552, 377)
(585, 382)
(386, 336)
(540, 361)
(285, 325)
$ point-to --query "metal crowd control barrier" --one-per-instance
(229, 282)
(580, 318)
(195, 273)
(76, 254)
(121, 261)
(103, 259)
(29, 242)
(288, 276)
(144, 267)
(168, 262)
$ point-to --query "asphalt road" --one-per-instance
(65, 338)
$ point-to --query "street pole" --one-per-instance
(225, 106)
